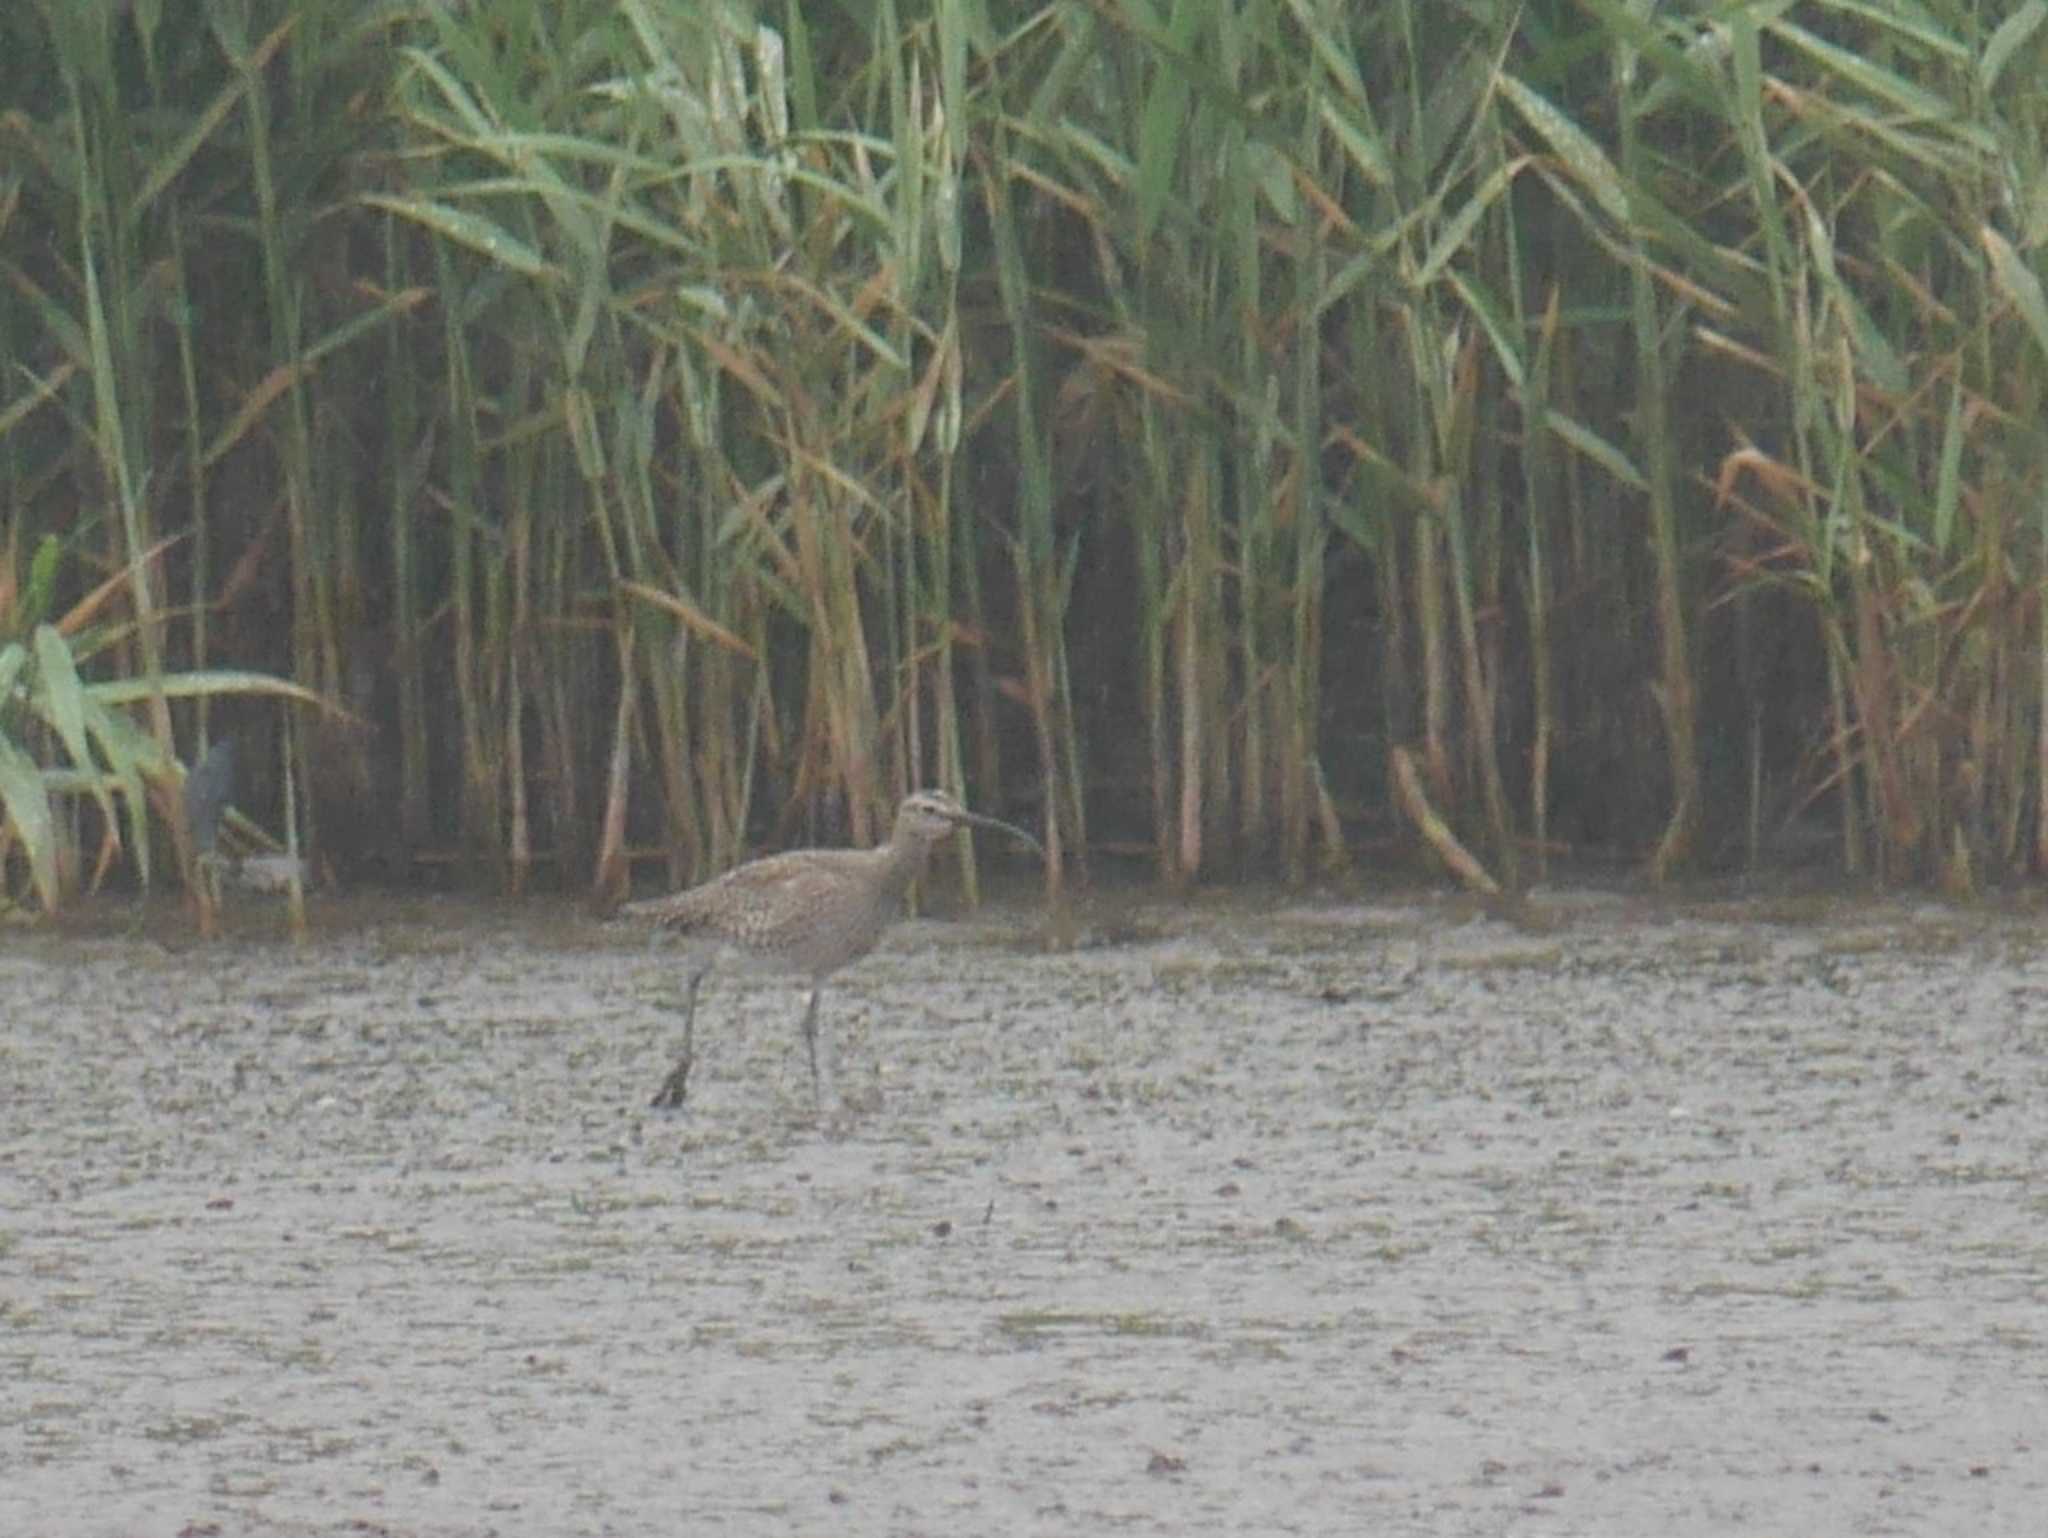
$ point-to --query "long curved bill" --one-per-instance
(996, 824)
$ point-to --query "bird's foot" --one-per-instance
(858, 1101)
(670, 1096)
(835, 1123)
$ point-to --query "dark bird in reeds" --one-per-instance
(208, 790)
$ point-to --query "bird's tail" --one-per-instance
(673, 913)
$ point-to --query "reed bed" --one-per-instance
(667, 428)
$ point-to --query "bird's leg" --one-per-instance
(678, 1081)
(811, 1041)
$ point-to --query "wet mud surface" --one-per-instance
(1263, 1217)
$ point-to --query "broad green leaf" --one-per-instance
(42, 580)
(1365, 528)
(1890, 87)
(2021, 286)
(1948, 480)
(479, 123)
(478, 233)
(1364, 151)
(1454, 239)
(26, 801)
(2010, 36)
(204, 125)
(1498, 325)
(1573, 145)
(1162, 134)
(61, 700)
(1687, 65)
(130, 753)
(1879, 361)
(1908, 21)
(1597, 449)
(202, 683)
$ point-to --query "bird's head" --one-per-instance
(927, 816)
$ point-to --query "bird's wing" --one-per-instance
(750, 899)
(208, 790)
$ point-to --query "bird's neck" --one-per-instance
(904, 860)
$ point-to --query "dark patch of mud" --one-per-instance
(1309, 1219)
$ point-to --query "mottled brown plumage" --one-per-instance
(809, 912)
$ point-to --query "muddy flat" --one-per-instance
(1240, 1218)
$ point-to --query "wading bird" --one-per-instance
(808, 912)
